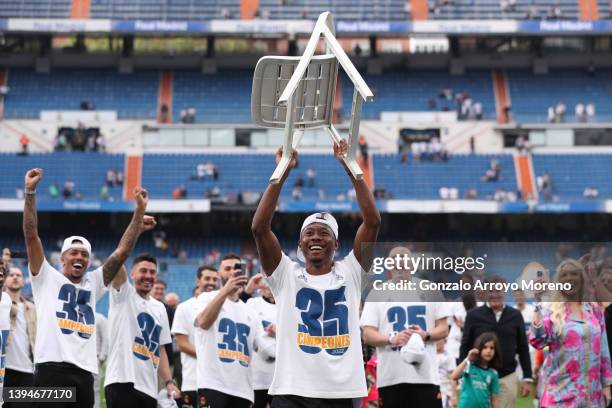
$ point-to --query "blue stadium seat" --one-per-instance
(390, 10)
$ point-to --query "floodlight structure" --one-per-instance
(297, 93)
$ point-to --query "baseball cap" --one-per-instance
(321, 218)
(73, 243)
(414, 351)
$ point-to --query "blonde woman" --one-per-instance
(577, 371)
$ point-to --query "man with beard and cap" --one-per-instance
(139, 330)
(184, 332)
(226, 329)
(5, 323)
(319, 358)
(66, 301)
(389, 323)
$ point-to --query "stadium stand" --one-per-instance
(135, 95)
(86, 170)
(163, 172)
(491, 9)
(571, 173)
(391, 10)
(221, 98)
(412, 90)
(422, 180)
(35, 8)
(531, 95)
(165, 10)
(131, 95)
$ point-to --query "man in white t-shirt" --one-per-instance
(66, 301)
(265, 355)
(20, 345)
(389, 324)
(319, 358)
(139, 329)
(184, 332)
(5, 323)
(226, 329)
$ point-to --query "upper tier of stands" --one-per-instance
(165, 10)
(388, 10)
(411, 91)
(131, 95)
(35, 8)
(531, 94)
(491, 9)
(358, 10)
(225, 97)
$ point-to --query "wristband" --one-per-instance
(391, 335)
(30, 192)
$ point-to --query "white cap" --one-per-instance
(70, 243)
(414, 351)
(320, 218)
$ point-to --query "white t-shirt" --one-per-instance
(446, 366)
(393, 317)
(183, 324)
(263, 367)
(225, 349)
(138, 330)
(18, 350)
(65, 317)
(318, 341)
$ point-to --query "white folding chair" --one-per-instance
(305, 87)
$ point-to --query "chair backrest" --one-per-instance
(314, 95)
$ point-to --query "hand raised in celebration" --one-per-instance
(32, 178)
(141, 196)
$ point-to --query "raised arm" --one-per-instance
(267, 244)
(368, 230)
(138, 225)
(209, 314)
(36, 254)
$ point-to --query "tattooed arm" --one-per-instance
(36, 254)
(138, 225)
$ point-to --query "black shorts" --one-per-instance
(189, 399)
(296, 401)
(119, 395)
(208, 398)
(262, 398)
(65, 375)
(14, 378)
(419, 395)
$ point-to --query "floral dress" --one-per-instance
(577, 366)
